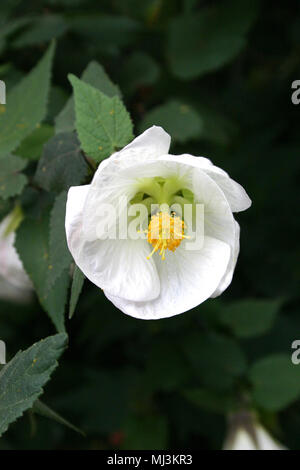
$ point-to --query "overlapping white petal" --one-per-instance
(118, 266)
(234, 192)
(186, 280)
(155, 288)
(116, 178)
(227, 278)
(148, 146)
(219, 222)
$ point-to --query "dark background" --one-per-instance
(222, 88)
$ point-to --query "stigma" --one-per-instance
(164, 232)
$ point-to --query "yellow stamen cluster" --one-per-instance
(165, 232)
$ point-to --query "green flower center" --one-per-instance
(160, 190)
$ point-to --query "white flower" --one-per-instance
(246, 433)
(14, 282)
(131, 272)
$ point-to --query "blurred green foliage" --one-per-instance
(217, 76)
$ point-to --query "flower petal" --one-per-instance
(14, 293)
(118, 266)
(121, 268)
(227, 278)
(234, 192)
(266, 441)
(74, 208)
(110, 198)
(151, 144)
(218, 219)
(114, 180)
(241, 440)
(187, 278)
(148, 146)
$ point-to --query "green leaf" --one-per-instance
(26, 105)
(58, 98)
(43, 410)
(217, 128)
(179, 119)
(77, 284)
(12, 181)
(96, 76)
(13, 26)
(250, 317)
(43, 29)
(109, 31)
(139, 70)
(23, 378)
(32, 244)
(59, 256)
(55, 300)
(62, 164)
(216, 359)
(276, 382)
(203, 41)
(102, 123)
(31, 148)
